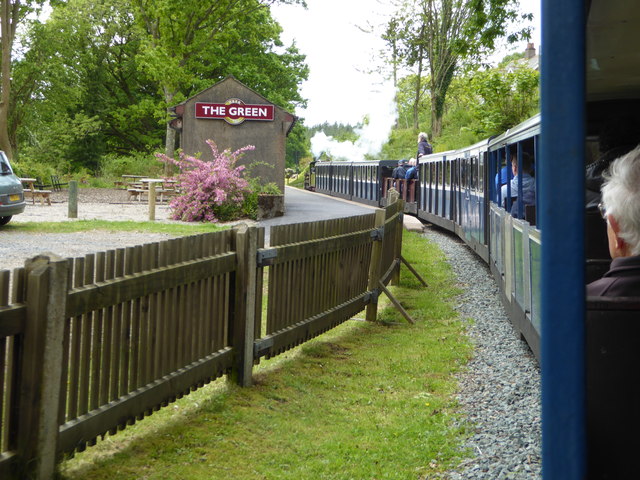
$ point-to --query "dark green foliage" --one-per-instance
(95, 83)
(297, 146)
(504, 99)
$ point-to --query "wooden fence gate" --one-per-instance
(92, 344)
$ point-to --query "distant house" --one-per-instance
(531, 60)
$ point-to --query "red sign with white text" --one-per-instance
(234, 111)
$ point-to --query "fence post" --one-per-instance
(374, 268)
(46, 300)
(245, 304)
(395, 278)
(152, 201)
(72, 210)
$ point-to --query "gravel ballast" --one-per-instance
(500, 389)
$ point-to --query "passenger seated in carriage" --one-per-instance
(401, 170)
(620, 208)
(528, 184)
(412, 173)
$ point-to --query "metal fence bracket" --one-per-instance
(377, 234)
(264, 255)
(261, 347)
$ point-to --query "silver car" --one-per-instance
(11, 193)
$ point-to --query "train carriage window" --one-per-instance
(447, 175)
(463, 173)
(481, 162)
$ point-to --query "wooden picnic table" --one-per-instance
(43, 195)
(163, 187)
(29, 182)
(128, 180)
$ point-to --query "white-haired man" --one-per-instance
(620, 207)
(424, 147)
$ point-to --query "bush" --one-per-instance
(211, 191)
(250, 204)
(33, 169)
(113, 167)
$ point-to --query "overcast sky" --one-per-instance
(341, 57)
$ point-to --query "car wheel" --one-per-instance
(4, 220)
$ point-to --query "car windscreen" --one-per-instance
(5, 168)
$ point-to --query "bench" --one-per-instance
(136, 193)
(40, 185)
(161, 193)
(43, 195)
(56, 184)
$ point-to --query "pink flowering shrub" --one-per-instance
(210, 190)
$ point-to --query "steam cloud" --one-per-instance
(371, 136)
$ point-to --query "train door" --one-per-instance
(459, 191)
(422, 181)
(432, 187)
(482, 197)
(465, 193)
(473, 198)
(436, 188)
(454, 191)
(372, 184)
(441, 191)
(448, 213)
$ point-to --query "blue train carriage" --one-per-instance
(368, 178)
(357, 181)
(469, 195)
(515, 245)
(435, 174)
(11, 192)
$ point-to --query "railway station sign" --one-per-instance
(234, 111)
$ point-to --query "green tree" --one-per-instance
(12, 14)
(298, 145)
(93, 90)
(504, 98)
(88, 95)
(445, 33)
(177, 32)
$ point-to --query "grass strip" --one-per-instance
(116, 226)
(364, 401)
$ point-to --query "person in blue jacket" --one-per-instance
(412, 173)
(528, 183)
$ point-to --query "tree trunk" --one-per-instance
(170, 138)
(416, 103)
(436, 120)
(439, 85)
(5, 73)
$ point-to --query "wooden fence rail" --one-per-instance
(92, 344)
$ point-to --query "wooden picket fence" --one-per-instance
(92, 344)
